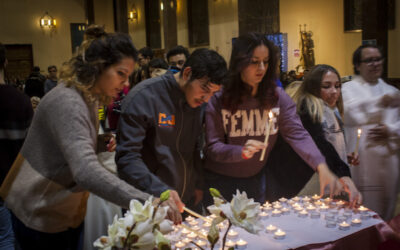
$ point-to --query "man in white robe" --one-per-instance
(377, 176)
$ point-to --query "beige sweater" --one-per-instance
(46, 187)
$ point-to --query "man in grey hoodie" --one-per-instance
(158, 145)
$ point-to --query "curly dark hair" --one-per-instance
(176, 51)
(235, 90)
(206, 63)
(97, 52)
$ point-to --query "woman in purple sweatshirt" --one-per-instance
(237, 119)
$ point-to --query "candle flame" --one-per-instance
(359, 131)
(270, 115)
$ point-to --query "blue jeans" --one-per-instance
(6, 230)
(30, 239)
(254, 186)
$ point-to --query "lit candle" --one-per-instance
(241, 244)
(206, 224)
(358, 140)
(363, 209)
(193, 222)
(344, 226)
(277, 206)
(310, 208)
(279, 234)
(298, 209)
(263, 215)
(180, 244)
(232, 234)
(267, 208)
(270, 228)
(340, 203)
(306, 199)
(327, 200)
(201, 243)
(267, 131)
(285, 210)
(283, 200)
(296, 199)
(185, 231)
(186, 241)
(276, 213)
(230, 243)
(303, 214)
(323, 208)
(318, 203)
(192, 235)
(315, 197)
(189, 218)
(356, 222)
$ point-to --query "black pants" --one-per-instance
(254, 186)
(30, 239)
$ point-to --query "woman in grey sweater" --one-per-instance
(47, 187)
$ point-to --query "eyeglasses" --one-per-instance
(372, 60)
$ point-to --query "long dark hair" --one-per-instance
(235, 90)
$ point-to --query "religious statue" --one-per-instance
(307, 59)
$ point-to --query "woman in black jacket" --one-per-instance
(320, 107)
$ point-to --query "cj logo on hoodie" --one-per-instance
(165, 120)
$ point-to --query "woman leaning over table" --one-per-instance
(236, 121)
(320, 107)
(47, 187)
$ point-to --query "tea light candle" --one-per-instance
(196, 228)
(264, 215)
(362, 209)
(204, 232)
(306, 199)
(206, 225)
(276, 213)
(315, 215)
(180, 244)
(267, 208)
(330, 223)
(193, 222)
(230, 243)
(201, 243)
(344, 226)
(277, 206)
(185, 231)
(279, 234)
(323, 208)
(315, 197)
(327, 200)
(232, 234)
(192, 235)
(189, 218)
(318, 203)
(186, 241)
(303, 214)
(296, 199)
(283, 200)
(270, 228)
(298, 209)
(241, 244)
(356, 222)
(340, 203)
(285, 210)
(310, 208)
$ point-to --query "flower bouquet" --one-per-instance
(142, 227)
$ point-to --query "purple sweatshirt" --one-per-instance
(227, 133)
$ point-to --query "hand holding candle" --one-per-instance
(267, 130)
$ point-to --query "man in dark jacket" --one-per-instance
(160, 126)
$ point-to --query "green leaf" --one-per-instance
(165, 195)
(215, 193)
